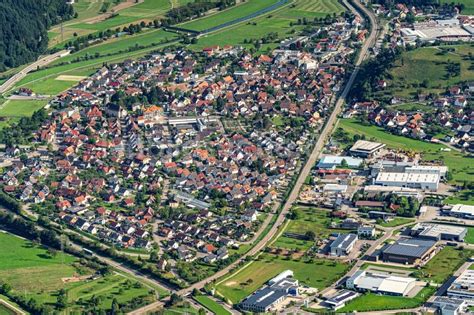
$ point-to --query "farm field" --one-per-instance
(21, 108)
(319, 274)
(308, 219)
(416, 66)
(277, 21)
(374, 302)
(36, 274)
(89, 10)
(231, 14)
(211, 305)
(460, 165)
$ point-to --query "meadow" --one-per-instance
(35, 273)
(396, 222)
(211, 305)
(468, 5)
(318, 274)
(21, 108)
(460, 165)
(416, 66)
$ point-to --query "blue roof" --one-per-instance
(335, 160)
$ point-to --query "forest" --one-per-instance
(23, 28)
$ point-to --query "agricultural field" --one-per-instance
(211, 305)
(460, 165)
(414, 67)
(277, 21)
(21, 108)
(374, 302)
(91, 20)
(319, 274)
(34, 272)
(308, 219)
(237, 12)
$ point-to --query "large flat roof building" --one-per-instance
(462, 211)
(363, 148)
(332, 161)
(266, 298)
(463, 287)
(437, 232)
(424, 181)
(343, 244)
(382, 283)
(409, 251)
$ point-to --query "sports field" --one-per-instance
(460, 165)
(35, 273)
(318, 274)
(21, 108)
(414, 67)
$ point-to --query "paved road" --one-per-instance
(39, 63)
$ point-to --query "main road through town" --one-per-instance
(326, 131)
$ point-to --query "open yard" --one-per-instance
(396, 222)
(21, 108)
(374, 302)
(35, 273)
(416, 66)
(319, 274)
(460, 165)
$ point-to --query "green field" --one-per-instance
(20, 108)
(211, 305)
(464, 197)
(231, 14)
(470, 236)
(417, 65)
(460, 165)
(444, 264)
(34, 273)
(374, 302)
(309, 219)
(396, 222)
(468, 5)
(319, 274)
(277, 21)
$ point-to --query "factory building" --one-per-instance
(380, 283)
(437, 232)
(365, 149)
(462, 211)
(463, 287)
(424, 181)
(343, 244)
(409, 251)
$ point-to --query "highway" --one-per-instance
(7, 85)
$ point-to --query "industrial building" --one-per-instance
(445, 30)
(462, 211)
(380, 283)
(437, 232)
(424, 181)
(340, 299)
(463, 287)
(449, 306)
(365, 149)
(343, 244)
(409, 251)
(333, 161)
(268, 297)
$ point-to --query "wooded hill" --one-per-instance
(23, 28)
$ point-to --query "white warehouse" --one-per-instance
(424, 181)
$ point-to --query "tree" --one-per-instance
(61, 302)
(310, 235)
(115, 307)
